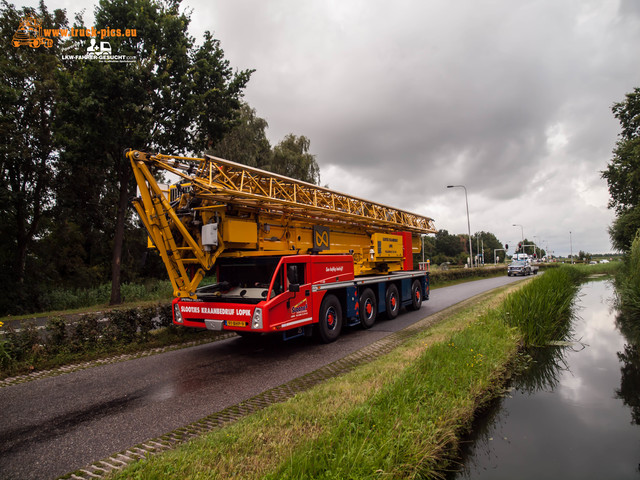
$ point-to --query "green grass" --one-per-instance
(72, 301)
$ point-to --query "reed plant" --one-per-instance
(542, 309)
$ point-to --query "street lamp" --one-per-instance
(468, 223)
(521, 232)
(571, 243)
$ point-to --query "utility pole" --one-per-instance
(571, 243)
(468, 223)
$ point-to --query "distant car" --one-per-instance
(519, 267)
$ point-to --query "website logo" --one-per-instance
(102, 51)
(29, 33)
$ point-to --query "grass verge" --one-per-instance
(396, 417)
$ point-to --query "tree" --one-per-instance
(624, 229)
(584, 256)
(27, 157)
(623, 171)
(291, 158)
(449, 245)
(535, 249)
(247, 142)
(174, 97)
(489, 242)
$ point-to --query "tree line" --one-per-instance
(453, 249)
(65, 218)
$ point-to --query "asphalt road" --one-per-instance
(56, 425)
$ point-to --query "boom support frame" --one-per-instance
(218, 190)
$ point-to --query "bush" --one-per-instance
(628, 281)
(56, 333)
(74, 298)
(147, 321)
(86, 333)
(5, 357)
(125, 324)
(542, 308)
(165, 315)
(132, 292)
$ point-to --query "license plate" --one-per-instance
(235, 323)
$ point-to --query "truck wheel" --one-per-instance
(330, 321)
(368, 309)
(416, 295)
(392, 302)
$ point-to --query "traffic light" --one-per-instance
(506, 246)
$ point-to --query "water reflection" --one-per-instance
(630, 358)
(568, 415)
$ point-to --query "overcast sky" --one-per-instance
(400, 99)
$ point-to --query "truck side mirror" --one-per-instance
(294, 287)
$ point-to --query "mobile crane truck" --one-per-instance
(288, 256)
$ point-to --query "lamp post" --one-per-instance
(571, 243)
(468, 223)
(521, 232)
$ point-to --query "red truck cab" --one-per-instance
(289, 294)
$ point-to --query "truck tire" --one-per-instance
(330, 321)
(368, 308)
(392, 302)
(416, 295)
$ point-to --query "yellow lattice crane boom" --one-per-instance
(225, 209)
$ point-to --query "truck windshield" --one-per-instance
(241, 280)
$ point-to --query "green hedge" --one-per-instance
(441, 276)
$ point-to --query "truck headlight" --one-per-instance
(177, 314)
(256, 321)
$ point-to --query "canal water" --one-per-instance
(575, 412)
